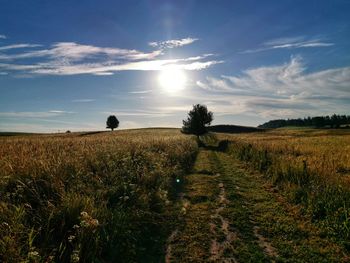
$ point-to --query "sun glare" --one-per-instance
(172, 80)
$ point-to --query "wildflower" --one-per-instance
(71, 238)
(84, 223)
(28, 206)
(87, 221)
(94, 223)
(84, 214)
(75, 256)
(33, 255)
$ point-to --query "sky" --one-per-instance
(68, 65)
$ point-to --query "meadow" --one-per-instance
(309, 166)
(90, 197)
(113, 196)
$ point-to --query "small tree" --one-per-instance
(199, 118)
(112, 122)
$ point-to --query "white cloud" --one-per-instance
(3, 37)
(173, 43)
(103, 73)
(139, 113)
(75, 52)
(214, 84)
(108, 68)
(68, 58)
(140, 92)
(83, 100)
(286, 90)
(290, 43)
(50, 126)
(16, 46)
(36, 114)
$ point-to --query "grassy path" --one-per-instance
(231, 214)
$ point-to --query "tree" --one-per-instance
(112, 122)
(199, 118)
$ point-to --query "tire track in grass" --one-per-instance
(242, 245)
(205, 234)
(271, 229)
(229, 214)
(220, 249)
(191, 243)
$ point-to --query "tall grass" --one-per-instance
(97, 198)
(312, 168)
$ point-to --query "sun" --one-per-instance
(172, 80)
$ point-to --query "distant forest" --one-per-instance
(334, 121)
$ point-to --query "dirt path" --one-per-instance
(230, 214)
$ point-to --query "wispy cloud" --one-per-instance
(173, 43)
(289, 43)
(15, 46)
(68, 58)
(107, 68)
(140, 113)
(281, 91)
(3, 37)
(36, 114)
(71, 51)
(83, 100)
(140, 91)
(48, 125)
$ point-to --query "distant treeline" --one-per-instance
(334, 121)
(233, 129)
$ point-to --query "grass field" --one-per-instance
(151, 195)
(311, 167)
(73, 198)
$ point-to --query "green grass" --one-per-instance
(254, 203)
(193, 241)
(324, 201)
(263, 225)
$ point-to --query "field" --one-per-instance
(311, 167)
(73, 198)
(153, 195)
(324, 152)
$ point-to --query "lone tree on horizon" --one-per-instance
(198, 120)
(112, 122)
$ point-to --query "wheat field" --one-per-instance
(310, 166)
(87, 197)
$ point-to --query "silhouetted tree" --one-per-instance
(112, 122)
(334, 121)
(199, 118)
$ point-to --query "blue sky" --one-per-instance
(70, 64)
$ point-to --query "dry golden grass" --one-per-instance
(311, 167)
(89, 197)
(326, 152)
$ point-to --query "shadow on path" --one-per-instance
(221, 146)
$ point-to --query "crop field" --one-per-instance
(311, 166)
(325, 152)
(154, 195)
(84, 198)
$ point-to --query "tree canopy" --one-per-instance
(334, 121)
(112, 122)
(199, 118)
